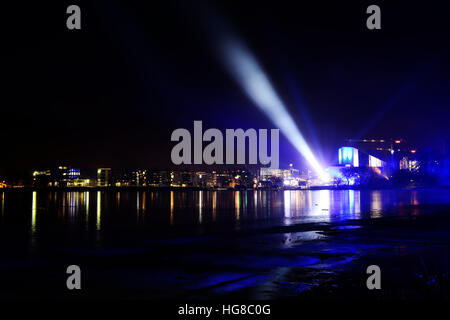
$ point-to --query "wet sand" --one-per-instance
(413, 253)
(303, 261)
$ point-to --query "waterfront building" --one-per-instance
(104, 177)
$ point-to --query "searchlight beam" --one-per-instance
(247, 72)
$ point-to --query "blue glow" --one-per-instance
(247, 72)
(334, 173)
(347, 156)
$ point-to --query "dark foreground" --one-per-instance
(320, 261)
(307, 260)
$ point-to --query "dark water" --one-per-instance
(172, 243)
(97, 210)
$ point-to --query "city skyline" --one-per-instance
(119, 101)
(358, 162)
(222, 157)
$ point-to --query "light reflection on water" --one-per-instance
(86, 199)
(375, 204)
(237, 204)
(33, 212)
(200, 206)
(3, 203)
(214, 206)
(171, 207)
(99, 209)
(181, 207)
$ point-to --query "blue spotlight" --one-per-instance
(247, 72)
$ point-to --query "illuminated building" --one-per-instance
(290, 178)
(409, 164)
(104, 177)
(140, 178)
(159, 178)
(413, 165)
(62, 176)
(164, 178)
(124, 178)
(222, 180)
(348, 156)
(352, 157)
(243, 179)
(375, 162)
(42, 178)
(73, 173)
(392, 151)
(69, 176)
(356, 167)
(188, 179)
(266, 173)
(153, 178)
(175, 179)
(404, 164)
(129, 178)
(203, 179)
(81, 183)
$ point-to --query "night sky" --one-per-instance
(112, 93)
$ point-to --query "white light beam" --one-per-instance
(247, 72)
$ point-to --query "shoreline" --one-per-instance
(150, 188)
